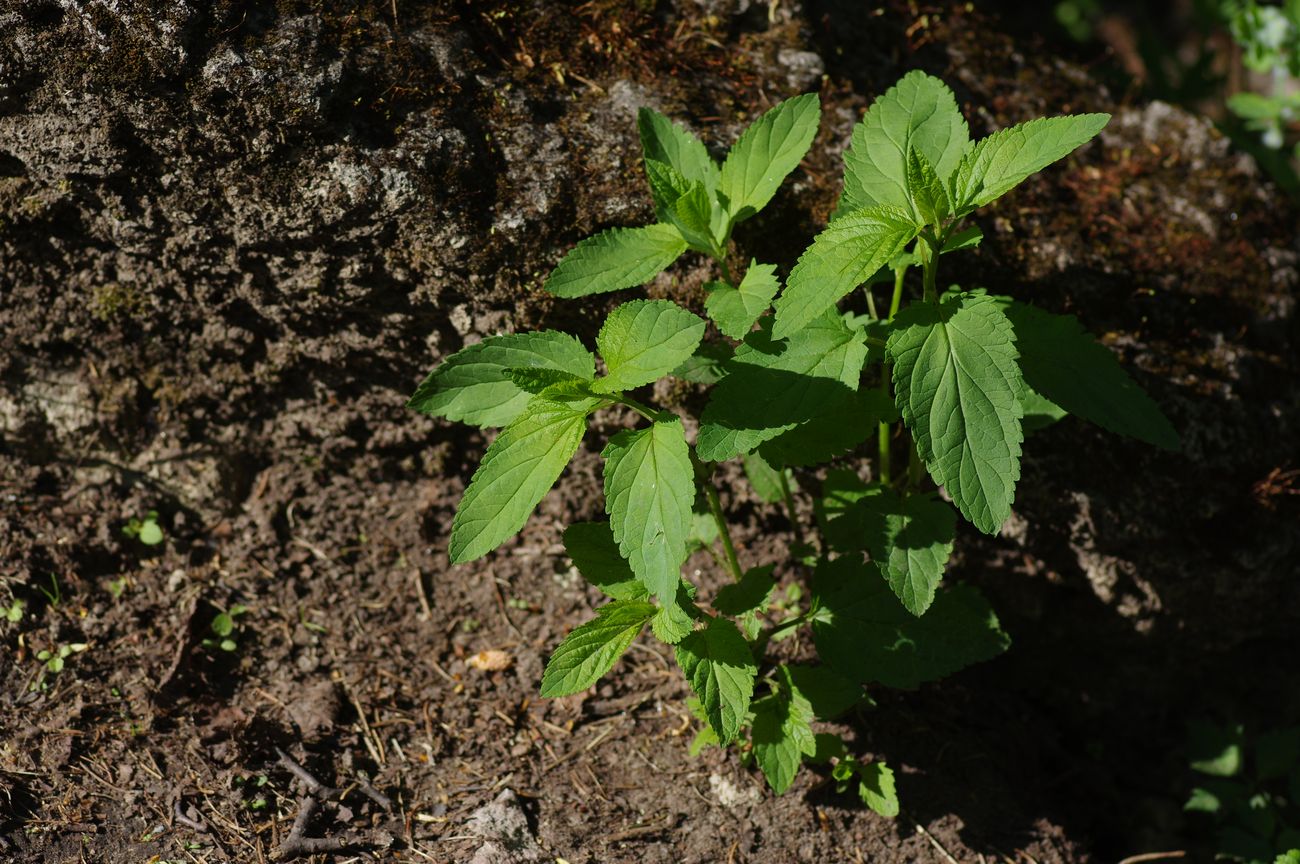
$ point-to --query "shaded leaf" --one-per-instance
(721, 672)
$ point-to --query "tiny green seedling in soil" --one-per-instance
(224, 628)
(146, 530)
(945, 383)
(54, 661)
(13, 613)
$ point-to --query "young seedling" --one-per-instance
(146, 530)
(949, 379)
(225, 629)
(13, 613)
(54, 661)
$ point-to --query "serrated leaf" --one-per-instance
(595, 553)
(910, 540)
(829, 693)
(474, 385)
(918, 113)
(850, 419)
(876, 788)
(672, 624)
(735, 310)
(517, 470)
(766, 152)
(705, 366)
(926, 189)
(764, 479)
(649, 488)
(615, 259)
(840, 259)
(593, 648)
(958, 385)
(666, 186)
(1000, 162)
(643, 340)
(664, 141)
(749, 594)
(862, 631)
(721, 672)
(1062, 362)
(772, 386)
(782, 734)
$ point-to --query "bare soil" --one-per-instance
(235, 235)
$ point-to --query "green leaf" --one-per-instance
(749, 594)
(474, 384)
(735, 310)
(151, 533)
(519, 467)
(1061, 361)
(926, 189)
(644, 340)
(918, 113)
(910, 539)
(664, 141)
(595, 553)
(773, 386)
(649, 488)
(1040, 412)
(721, 672)
(840, 259)
(782, 734)
(876, 788)
(592, 648)
(706, 737)
(1000, 162)
(534, 381)
(862, 631)
(1277, 752)
(829, 693)
(967, 238)
(958, 386)
(614, 259)
(849, 419)
(1215, 750)
(692, 215)
(672, 624)
(765, 480)
(766, 152)
(705, 366)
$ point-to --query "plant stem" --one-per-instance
(790, 513)
(760, 644)
(715, 507)
(914, 468)
(726, 270)
(645, 411)
(883, 431)
(930, 273)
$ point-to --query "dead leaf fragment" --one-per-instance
(491, 660)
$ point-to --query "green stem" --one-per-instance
(914, 468)
(883, 431)
(760, 644)
(788, 498)
(930, 273)
(729, 548)
(644, 410)
(726, 270)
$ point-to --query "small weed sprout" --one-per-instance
(946, 384)
(146, 530)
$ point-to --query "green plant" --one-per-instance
(1269, 38)
(1250, 788)
(807, 386)
(225, 628)
(53, 662)
(13, 613)
(146, 530)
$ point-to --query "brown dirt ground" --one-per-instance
(196, 323)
